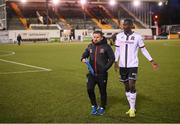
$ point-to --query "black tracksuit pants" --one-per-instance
(101, 81)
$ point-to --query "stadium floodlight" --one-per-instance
(136, 3)
(156, 16)
(160, 3)
(23, 1)
(55, 2)
(112, 2)
(83, 2)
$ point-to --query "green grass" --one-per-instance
(60, 95)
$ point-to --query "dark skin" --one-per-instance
(130, 84)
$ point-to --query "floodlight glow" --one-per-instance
(23, 1)
(112, 2)
(136, 3)
(83, 2)
(160, 3)
(55, 2)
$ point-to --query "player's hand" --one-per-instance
(116, 67)
(83, 60)
(155, 66)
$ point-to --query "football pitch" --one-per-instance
(46, 82)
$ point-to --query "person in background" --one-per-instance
(19, 39)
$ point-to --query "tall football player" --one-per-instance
(127, 44)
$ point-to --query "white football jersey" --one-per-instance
(127, 49)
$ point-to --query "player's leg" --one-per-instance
(132, 93)
(126, 86)
(132, 98)
(132, 83)
(18, 42)
(132, 86)
(90, 89)
(124, 79)
(127, 91)
(102, 84)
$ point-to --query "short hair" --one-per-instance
(98, 32)
(128, 21)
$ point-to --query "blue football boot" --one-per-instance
(101, 111)
(93, 110)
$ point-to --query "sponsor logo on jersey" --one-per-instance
(129, 42)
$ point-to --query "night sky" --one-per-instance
(170, 13)
(175, 3)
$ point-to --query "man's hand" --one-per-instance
(155, 66)
(86, 61)
(116, 66)
(83, 60)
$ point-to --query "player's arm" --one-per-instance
(148, 57)
(146, 53)
(117, 55)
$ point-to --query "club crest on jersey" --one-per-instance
(132, 38)
(101, 50)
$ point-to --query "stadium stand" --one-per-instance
(69, 15)
(175, 29)
(75, 16)
(13, 22)
(45, 27)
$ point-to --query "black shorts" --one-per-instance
(128, 74)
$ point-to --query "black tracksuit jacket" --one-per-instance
(101, 56)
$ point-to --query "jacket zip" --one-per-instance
(95, 57)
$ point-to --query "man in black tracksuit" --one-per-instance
(19, 39)
(101, 58)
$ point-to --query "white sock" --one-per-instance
(132, 100)
(128, 97)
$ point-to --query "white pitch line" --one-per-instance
(19, 72)
(8, 54)
(32, 66)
